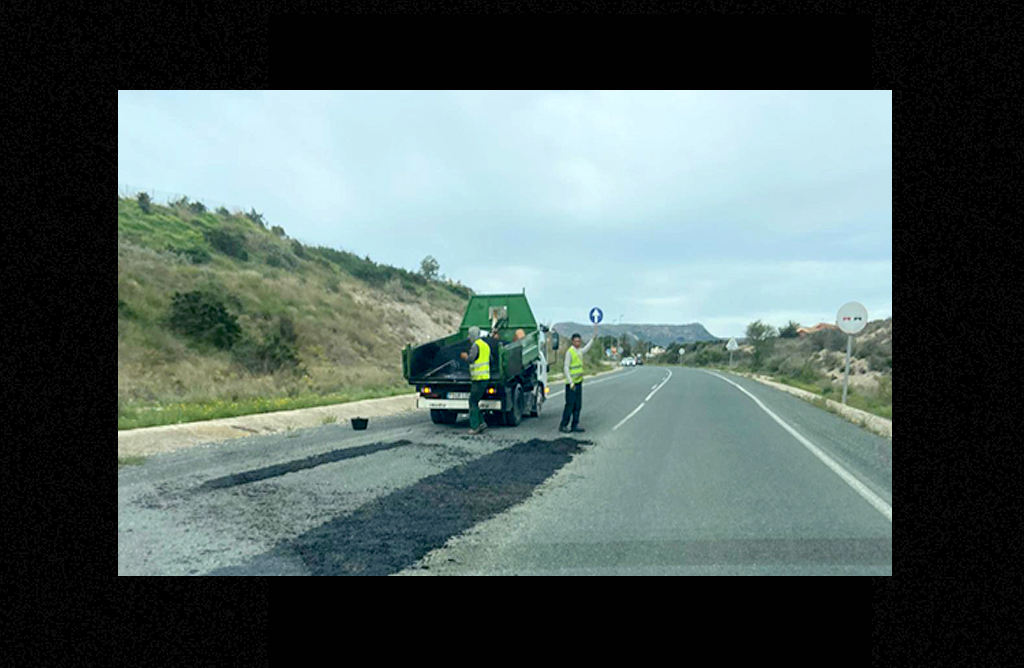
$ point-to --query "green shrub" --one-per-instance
(195, 255)
(197, 207)
(278, 258)
(299, 250)
(123, 310)
(878, 362)
(278, 230)
(221, 211)
(276, 352)
(789, 331)
(460, 290)
(828, 339)
(366, 269)
(229, 242)
(808, 374)
(256, 217)
(144, 202)
(202, 317)
(707, 357)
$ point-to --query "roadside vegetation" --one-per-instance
(222, 314)
(130, 460)
(814, 362)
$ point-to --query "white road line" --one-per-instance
(635, 410)
(859, 487)
(658, 387)
(644, 402)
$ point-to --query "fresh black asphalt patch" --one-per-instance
(299, 465)
(391, 533)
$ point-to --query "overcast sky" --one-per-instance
(660, 207)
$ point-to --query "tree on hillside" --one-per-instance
(761, 335)
(256, 217)
(789, 331)
(429, 268)
(144, 201)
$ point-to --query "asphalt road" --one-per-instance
(680, 472)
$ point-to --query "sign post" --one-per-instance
(851, 319)
(731, 346)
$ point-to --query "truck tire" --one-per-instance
(538, 400)
(515, 414)
(443, 417)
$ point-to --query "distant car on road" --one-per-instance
(627, 361)
(640, 360)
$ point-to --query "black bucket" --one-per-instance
(359, 423)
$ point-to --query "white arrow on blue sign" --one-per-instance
(596, 315)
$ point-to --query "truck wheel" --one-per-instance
(515, 415)
(443, 417)
(538, 400)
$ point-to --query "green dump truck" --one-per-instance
(519, 370)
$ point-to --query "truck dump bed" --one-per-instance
(439, 361)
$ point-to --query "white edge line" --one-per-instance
(635, 410)
(658, 386)
(859, 487)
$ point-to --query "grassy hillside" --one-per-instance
(815, 363)
(219, 315)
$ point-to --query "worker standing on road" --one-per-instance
(574, 382)
(479, 357)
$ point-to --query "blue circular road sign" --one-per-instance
(596, 315)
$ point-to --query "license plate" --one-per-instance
(458, 395)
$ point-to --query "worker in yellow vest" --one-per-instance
(479, 357)
(574, 382)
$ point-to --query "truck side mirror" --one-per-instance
(554, 340)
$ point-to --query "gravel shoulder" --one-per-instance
(169, 438)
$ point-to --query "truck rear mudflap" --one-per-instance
(457, 404)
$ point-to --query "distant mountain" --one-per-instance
(661, 335)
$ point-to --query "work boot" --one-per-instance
(564, 430)
(578, 428)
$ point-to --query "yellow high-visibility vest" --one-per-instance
(481, 368)
(575, 366)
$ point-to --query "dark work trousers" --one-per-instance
(476, 392)
(573, 404)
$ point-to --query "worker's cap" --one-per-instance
(474, 333)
